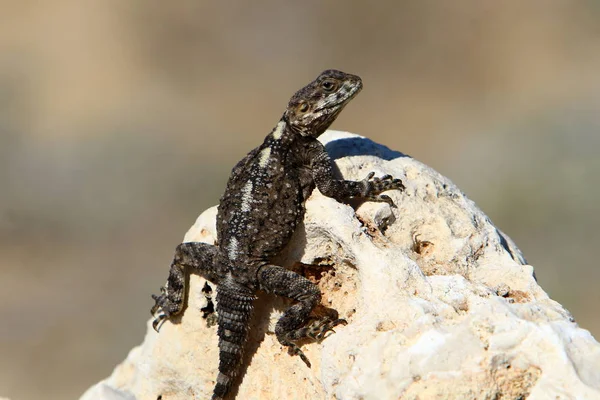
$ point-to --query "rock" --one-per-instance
(440, 305)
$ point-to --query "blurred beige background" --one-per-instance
(120, 121)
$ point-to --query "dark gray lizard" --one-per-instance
(257, 215)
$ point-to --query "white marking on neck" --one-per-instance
(265, 154)
(247, 196)
(278, 130)
(232, 250)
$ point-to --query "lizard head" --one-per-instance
(314, 107)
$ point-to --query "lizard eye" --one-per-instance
(303, 107)
(328, 86)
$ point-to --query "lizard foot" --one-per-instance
(376, 186)
(318, 330)
(162, 310)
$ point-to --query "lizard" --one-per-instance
(263, 203)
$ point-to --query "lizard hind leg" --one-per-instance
(189, 257)
(294, 323)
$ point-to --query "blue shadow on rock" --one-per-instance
(358, 146)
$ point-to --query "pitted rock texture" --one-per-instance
(440, 305)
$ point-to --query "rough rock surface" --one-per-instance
(440, 305)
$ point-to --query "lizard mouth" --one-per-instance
(352, 89)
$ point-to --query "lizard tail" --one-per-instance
(234, 309)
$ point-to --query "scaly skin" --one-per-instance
(258, 213)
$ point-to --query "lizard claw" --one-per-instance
(158, 321)
(323, 328)
(161, 307)
(384, 198)
(325, 333)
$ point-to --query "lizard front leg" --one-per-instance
(196, 257)
(369, 188)
(293, 324)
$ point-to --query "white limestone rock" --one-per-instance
(440, 305)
